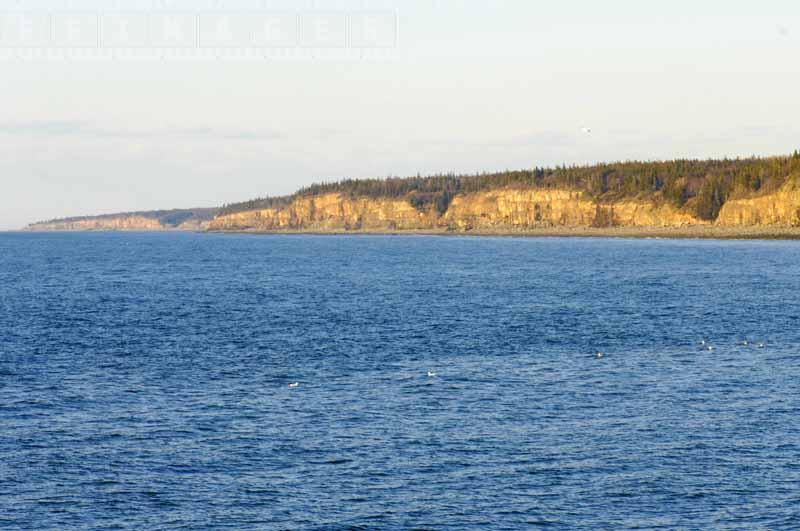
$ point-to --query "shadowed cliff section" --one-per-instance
(178, 219)
(681, 193)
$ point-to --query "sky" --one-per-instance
(461, 86)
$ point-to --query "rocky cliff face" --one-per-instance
(495, 210)
(194, 225)
(556, 208)
(331, 212)
(491, 210)
(781, 208)
(130, 223)
(190, 220)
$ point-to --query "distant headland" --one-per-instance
(750, 197)
(153, 220)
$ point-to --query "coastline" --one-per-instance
(671, 233)
(695, 232)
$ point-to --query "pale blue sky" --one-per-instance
(473, 86)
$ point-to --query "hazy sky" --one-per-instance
(472, 86)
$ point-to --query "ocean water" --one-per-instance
(145, 383)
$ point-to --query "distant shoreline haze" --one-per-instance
(717, 193)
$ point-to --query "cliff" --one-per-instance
(331, 212)
(781, 208)
(490, 211)
(157, 220)
(696, 196)
(95, 224)
(496, 210)
(530, 209)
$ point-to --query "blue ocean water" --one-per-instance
(144, 383)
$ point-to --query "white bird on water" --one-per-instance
(431, 374)
(294, 385)
(600, 355)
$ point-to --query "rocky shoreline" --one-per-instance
(676, 233)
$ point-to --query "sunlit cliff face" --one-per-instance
(116, 223)
(557, 208)
(497, 210)
(507, 209)
(780, 208)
